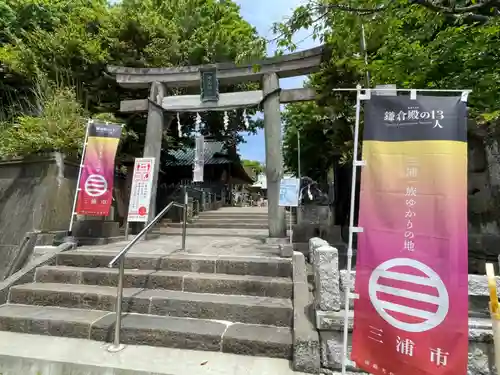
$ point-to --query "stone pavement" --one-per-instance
(205, 241)
(21, 354)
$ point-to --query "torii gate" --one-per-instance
(270, 70)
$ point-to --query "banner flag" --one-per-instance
(411, 317)
(95, 191)
(199, 159)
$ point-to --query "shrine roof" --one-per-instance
(215, 153)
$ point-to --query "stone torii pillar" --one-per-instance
(228, 74)
(154, 137)
(274, 157)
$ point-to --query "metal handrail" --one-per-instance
(120, 257)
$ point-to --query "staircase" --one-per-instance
(240, 305)
(232, 218)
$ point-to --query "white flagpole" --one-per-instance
(355, 164)
(84, 150)
(298, 156)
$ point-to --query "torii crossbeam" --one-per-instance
(269, 72)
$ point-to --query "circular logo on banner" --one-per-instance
(96, 185)
(408, 295)
(142, 211)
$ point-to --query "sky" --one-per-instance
(261, 15)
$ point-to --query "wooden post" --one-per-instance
(154, 136)
(274, 158)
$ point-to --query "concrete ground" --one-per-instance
(207, 241)
(21, 354)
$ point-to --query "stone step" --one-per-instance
(202, 219)
(234, 214)
(250, 217)
(170, 280)
(241, 309)
(174, 332)
(233, 265)
(258, 234)
(218, 214)
(216, 224)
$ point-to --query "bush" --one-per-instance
(57, 123)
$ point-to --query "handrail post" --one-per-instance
(184, 218)
(117, 346)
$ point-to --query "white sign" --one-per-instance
(96, 185)
(289, 192)
(403, 284)
(199, 159)
(140, 193)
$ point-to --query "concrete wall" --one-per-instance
(36, 194)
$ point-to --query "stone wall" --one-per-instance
(330, 285)
(36, 194)
(483, 199)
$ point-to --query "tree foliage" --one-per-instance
(257, 166)
(414, 44)
(58, 126)
(70, 43)
(321, 140)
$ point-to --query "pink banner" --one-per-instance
(411, 317)
(95, 192)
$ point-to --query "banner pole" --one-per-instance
(290, 219)
(84, 150)
(351, 226)
(299, 174)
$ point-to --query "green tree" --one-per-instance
(58, 126)
(409, 44)
(71, 44)
(257, 166)
(322, 139)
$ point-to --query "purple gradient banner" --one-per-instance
(411, 317)
(95, 191)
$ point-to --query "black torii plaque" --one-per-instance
(209, 85)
